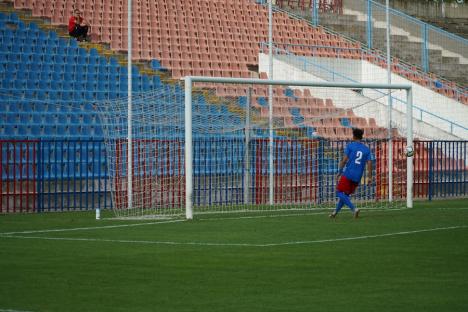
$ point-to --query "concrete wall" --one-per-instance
(428, 8)
(425, 125)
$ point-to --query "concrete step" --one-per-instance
(333, 19)
(406, 50)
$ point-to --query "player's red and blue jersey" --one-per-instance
(358, 155)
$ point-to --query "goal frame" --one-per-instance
(189, 80)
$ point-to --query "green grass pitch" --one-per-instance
(394, 260)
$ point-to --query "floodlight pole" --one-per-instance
(390, 108)
(270, 100)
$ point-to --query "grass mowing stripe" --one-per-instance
(241, 244)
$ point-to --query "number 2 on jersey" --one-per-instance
(358, 157)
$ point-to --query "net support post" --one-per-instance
(188, 150)
(409, 144)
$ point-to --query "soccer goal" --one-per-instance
(221, 145)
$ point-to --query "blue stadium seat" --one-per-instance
(93, 60)
(11, 130)
(63, 119)
(20, 84)
(345, 122)
(103, 63)
(91, 85)
(20, 26)
(155, 65)
(77, 117)
(11, 67)
(37, 59)
(56, 83)
(33, 26)
(289, 92)
(24, 130)
(50, 119)
(44, 83)
(262, 101)
(41, 94)
(60, 58)
(102, 95)
(67, 95)
(37, 130)
(67, 84)
(52, 35)
(37, 118)
(12, 118)
(48, 59)
(81, 60)
(98, 131)
(71, 59)
(50, 130)
(25, 118)
(28, 107)
(31, 84)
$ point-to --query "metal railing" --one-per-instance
(43, 176)
(425, 37)
(333, 75)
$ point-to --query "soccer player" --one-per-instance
(351, 168)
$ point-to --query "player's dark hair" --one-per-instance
(358, 133)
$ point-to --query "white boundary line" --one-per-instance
(309, 242)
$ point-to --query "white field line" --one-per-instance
(174, 221)
(461, 208)
(12, 310)
(308, 242)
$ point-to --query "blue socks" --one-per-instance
(343, 200)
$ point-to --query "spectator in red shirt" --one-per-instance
(78, 27)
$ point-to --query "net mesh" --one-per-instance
(231, 148)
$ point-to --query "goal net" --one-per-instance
(213, 145)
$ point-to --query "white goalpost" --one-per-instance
(189, 81)
(211, 145)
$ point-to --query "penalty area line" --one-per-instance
(91, 228)
(207, 244)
